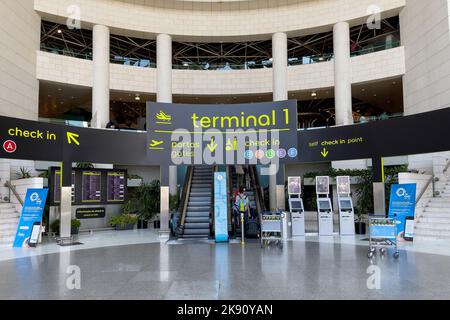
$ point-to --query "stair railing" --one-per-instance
(430, 183)
(447, 166)
(14, 191)
(185, 198)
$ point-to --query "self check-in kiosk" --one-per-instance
(346, 210)
(296, 206)
(324, 206)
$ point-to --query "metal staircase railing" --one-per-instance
(14, 192)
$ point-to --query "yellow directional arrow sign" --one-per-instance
(72, 138)
(324, 153)
(212, 146)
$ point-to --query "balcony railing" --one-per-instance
(369, 47)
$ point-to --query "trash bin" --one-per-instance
(286, 224)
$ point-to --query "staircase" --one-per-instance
(197, 221)
(433, 221)
(9, 219)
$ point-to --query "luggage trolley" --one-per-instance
(271, 229)
(382, 235)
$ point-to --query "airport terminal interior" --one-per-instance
(330, 201)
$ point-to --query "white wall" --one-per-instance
(187, 20)
(19, 40)
(375, 66)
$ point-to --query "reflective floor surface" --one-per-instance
(301, 270)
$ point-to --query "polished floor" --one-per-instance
(301, 270)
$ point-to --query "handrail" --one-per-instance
(425, 189)
(211, 210)
(447, 166)
(14, 191)
(185, 198)
(229, 207)
(257, 191)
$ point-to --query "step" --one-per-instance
(195, 204)
(11, 215)
(8, 210)
(201, 190)
(8, 226)
(197, 208)
(6, 240)
(199, 214)
(434, 226)
(432, 232)
(437, 210)
(7, 233)
(427, 219)
(9, 221)
(196, 225)
(204, 232)
(197, 219)
(193, 236)
(201, 194)
(199, 199)
(434, 215)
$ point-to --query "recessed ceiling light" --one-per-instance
(59, 89)
(59, 31)
(363, 90)
(137, 97)
(375, 95)
(313, 94)
(394, 83)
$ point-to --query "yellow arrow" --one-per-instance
(324, 153)
(212, 146)
(72, 137)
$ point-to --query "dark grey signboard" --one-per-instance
(224, 134)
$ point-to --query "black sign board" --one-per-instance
(223, 134)
(416, 134)
(90, 213)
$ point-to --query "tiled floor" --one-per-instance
(332, 268)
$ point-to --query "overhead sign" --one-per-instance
(274, 139)
(227, 134)
(31, 216)
(402, 204)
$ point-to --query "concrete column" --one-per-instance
(164, 89)
(342, 74)
(100, 89)
(280, 93)
(280, 60)
(164, 68)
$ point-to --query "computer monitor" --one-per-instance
(324, 205)
(346, 204)
(296, 205)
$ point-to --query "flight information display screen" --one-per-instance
(116, 186)
(92, 187)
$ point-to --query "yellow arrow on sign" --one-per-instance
(324, 153)
(72, 137)
(212, 146)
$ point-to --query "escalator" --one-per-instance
(197, 208)
(246, 177)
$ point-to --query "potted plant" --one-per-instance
(148, 201)
(123, 222)
(74, 226)
(360, 225)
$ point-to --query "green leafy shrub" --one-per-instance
(123, 220)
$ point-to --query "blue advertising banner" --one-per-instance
(32, 211)
(402, 204)
(220, 207)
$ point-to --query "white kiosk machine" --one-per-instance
(296, 206)
(346, 211)
(324, 206)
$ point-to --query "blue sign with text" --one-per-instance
(402, 204)
(220, 207)
(32, 211)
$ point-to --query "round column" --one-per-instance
(342, 74)
(280, 60)
(100, 89)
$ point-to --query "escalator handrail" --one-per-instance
(186, 193)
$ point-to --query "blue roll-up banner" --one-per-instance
(402, 204)
(220, 207)
(32, 211)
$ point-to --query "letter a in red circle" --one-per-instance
(10, 146)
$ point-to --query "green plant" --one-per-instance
(74, 223)
(44, 174)
(123, 220)
(23, 173)
(135, 177)
(85, 165)
(174, 203)
(148, 200)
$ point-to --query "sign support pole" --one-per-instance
(379, 197)
(66, 201)
(164, 231)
